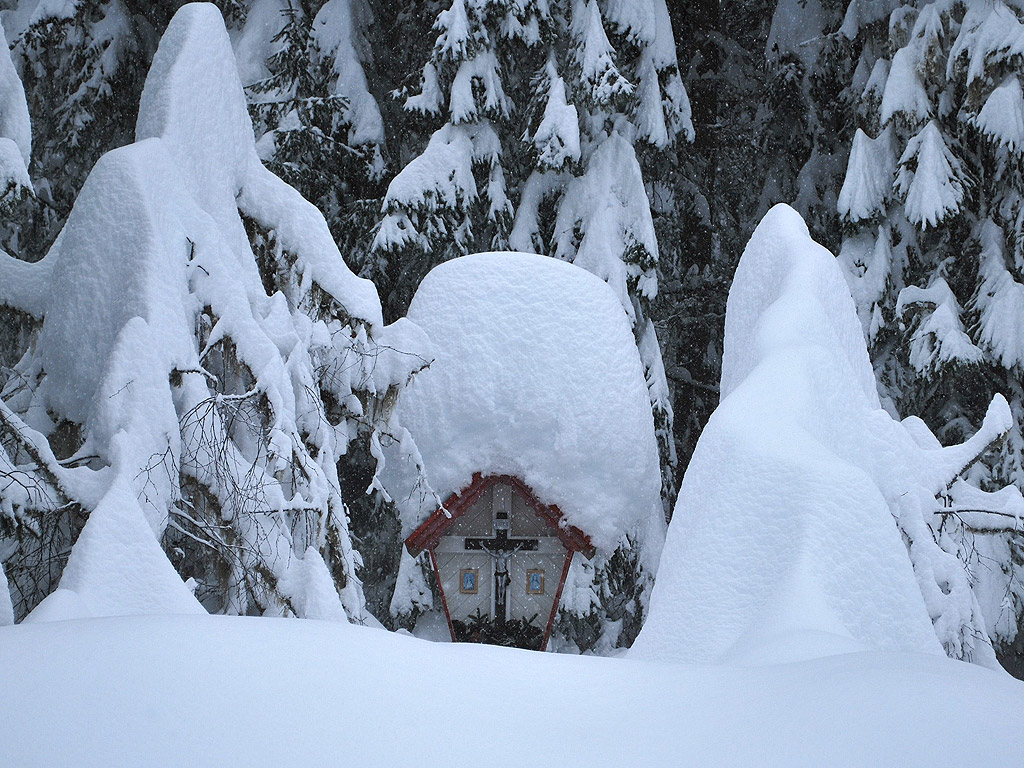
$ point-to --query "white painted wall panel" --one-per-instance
(523, 605)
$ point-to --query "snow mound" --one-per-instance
(537, 375)
(783, 540)
(140, 692)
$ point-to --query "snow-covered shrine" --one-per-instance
(498, 551)
(534, 430)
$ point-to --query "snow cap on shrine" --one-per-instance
(536, 377)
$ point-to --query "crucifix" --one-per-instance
(501, 548)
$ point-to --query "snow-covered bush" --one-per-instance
(185, 389)
(786, 540)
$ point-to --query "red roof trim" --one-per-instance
(558, 599)
(444, 600)
(427, 535)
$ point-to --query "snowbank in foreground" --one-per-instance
(783, 544)
(126, 692)
(537, 375)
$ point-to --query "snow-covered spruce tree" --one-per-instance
(321, 129)
(932, 203)
(548, 105)
(215, 387)
(585, 200)
(801, 416)
(452, 198)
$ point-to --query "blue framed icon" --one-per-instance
(469, 579)
(535, 582)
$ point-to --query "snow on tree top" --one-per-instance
(783, 541)
(193, 100)
(868, 183)
(537, 375)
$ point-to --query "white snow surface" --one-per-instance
(537, 375)
(783, 544)
(140, 691)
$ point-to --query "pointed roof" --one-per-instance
(429, 533)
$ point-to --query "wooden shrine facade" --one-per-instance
(500, 557)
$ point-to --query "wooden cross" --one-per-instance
(501, 548)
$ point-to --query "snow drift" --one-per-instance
(783, 542)
(139, 691)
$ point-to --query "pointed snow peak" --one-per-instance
(781, 245)
(868, 182)
(930, 179)
(596, 58)
(453, 24)
(193, 100)
(558, 136)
